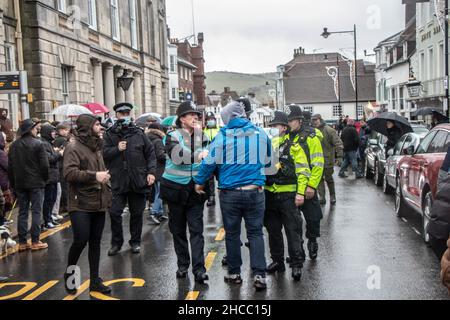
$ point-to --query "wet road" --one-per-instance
(366, 252)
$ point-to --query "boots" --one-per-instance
(332, 189)
(98, 286)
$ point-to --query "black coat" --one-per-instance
(129, 169)
(54, 158)
(393, 136)
(28, 163)
(350, 138)
(439, 226)
(156, 137)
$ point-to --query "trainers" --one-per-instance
(57, 217)
(154, 220)
(233, 278)
(260, 283)
(39, 246)
(24, 247)
(163, 217)
(10, 243)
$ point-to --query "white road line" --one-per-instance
(417, 231)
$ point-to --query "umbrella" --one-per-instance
(96, 108)
(378, 124)
(70, 111)
(142, 119)
(169, 121)
(427, 111)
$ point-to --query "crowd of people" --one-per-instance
(113, 166)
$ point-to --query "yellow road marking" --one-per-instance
(210, 260)
(26, 286)
(40, 291)
(82, 289)
(136, 283)
(192, 295)
(43, 236)
(220, 235)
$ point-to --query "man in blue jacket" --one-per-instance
(239, 156)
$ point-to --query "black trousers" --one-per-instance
(51, 192)
(281, 211)
(313, 215)
(136, 203)
(191, 216)
(212, 187)
(87, 228)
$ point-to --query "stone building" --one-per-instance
(75, 50)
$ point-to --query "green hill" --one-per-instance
(242, 83)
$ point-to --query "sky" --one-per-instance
(255, 36)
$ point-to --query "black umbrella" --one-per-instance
(378, 123)
(427, 111)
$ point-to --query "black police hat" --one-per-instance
(186, 108)
(210, 115)
(294, 112)
(123, 107)
(280, 118)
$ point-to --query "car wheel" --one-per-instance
(367, 173)
(378, 178)
(387, 189)
(400, 205)
(426, 216)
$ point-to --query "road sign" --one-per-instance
(10, 82)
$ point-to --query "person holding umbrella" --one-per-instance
(394, 134)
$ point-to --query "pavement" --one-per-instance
(366, 252)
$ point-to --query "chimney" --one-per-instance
(227, 89)
(201, 38)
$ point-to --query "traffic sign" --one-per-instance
(10, 82)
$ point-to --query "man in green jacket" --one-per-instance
(332, 148)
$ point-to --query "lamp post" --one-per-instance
(326, 34)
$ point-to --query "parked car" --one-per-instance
(418, 172)
(376, 155)
(391, 171)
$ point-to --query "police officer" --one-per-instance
(186, 148)
(281, 190)
(306, 137)
(131, 161)
(211, 130)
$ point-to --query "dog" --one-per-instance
(6, 242)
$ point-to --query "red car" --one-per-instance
(417, 175)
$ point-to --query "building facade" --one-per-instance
(75, 50)
(174, 88)
(307, 82)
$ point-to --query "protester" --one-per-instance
(28, 173)
(281, 190)
(211, 130)
(6, 125)
(332, 147)
(241, 185)
(130, 157)
(351, 141)
(48, 135)
(185, 148)
(155, 133)
(89, 198)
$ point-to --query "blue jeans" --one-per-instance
(157, 206)
(350, 158)
(249, 205)
(25, 197)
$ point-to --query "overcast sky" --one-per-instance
(254, 36)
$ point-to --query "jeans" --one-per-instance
(55, 210)
(87, 228)
(350, 158)
(157, 206)
(136, 202)
(51, 191)
(250, 206)
(25, 198)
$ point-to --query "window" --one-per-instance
(10, 59)
(174, 93)
(360, 112)
(402, 99)
(438, 145)
(115, 23)
(61, 5)
(394, 98)
(133, 22)
(92, 14)
(422, 65)
(308, 109)
(430, 63)
(398, 147)
(337, 111)
(441, 58)
(172, 63)
(426, 142)
(65, 84)
(151, 27)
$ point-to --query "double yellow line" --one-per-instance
(193, 295)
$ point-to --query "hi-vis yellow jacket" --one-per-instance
(307, 155)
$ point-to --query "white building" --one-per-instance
(174, 96)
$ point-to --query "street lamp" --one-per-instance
(125, 81)
(326, 34)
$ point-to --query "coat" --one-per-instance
(6, 127)
(439, 226)
(82, 160)
(4, 180)
(350, 138)
(28, 163)
(393, 136)
(156, 138)
(53, 156)
(129, 169)
(332, 145)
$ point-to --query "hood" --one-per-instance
(157, 132)
(240, 123)
(233, 110)
(85, 122)
(46, 133)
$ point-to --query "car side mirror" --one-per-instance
(390, 153)
(373, 142)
